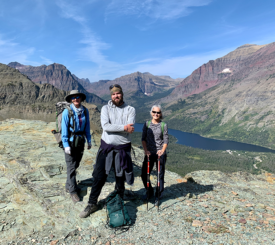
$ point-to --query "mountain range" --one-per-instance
(239, 104)
(214, 72)
(58, 76)
(22, 98)
(228, 98)
(136, 84)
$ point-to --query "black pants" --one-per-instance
(73, 162)
(100, 178)
(153, 159)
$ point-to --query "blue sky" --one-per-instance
(105, 39)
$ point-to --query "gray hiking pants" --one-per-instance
(73, 162)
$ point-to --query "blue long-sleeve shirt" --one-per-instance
(85, 126)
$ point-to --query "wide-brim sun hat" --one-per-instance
(74, 92)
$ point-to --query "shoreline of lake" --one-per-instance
(198, 141)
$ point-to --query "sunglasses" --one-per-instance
(115, 85)
(75, 97)
(158, 112)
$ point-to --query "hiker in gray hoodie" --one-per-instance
(117, 120)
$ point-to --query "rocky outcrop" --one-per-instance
(58, 76)
(215, 72)
(22, 98)
(202, 207)
(135, 84)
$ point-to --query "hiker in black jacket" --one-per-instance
(154, 141)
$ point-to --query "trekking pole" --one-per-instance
(148, 180)
(158, 180)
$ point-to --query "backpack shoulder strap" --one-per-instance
(71, 115)
(85, 114)
(148, 123)
(162, 127)
(85, 110)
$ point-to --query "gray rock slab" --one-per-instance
(204, 207)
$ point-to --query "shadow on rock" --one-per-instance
(84, 184)
(189, 189)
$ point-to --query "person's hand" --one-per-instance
(147, 153)
(160, 153)
(68, 150)
(89, 146)
(129, 128)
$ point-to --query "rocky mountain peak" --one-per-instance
(56, 66)
(15, 65)
(22, 98)
(57, 75)
(247, 46)
(216, 71)
(243, 51)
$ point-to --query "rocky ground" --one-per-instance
(204, 207)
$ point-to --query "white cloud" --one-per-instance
(71, 11)
(155, 9)
(11, 51)
(93, 45)
(46, 60)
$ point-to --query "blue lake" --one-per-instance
(197, 141)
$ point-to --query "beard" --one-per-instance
(118, 101)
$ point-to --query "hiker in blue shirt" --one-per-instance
(74, 131)
(154, 141)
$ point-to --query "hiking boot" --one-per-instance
(75, 197)
(88, 210)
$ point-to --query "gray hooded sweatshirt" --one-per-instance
(113, 120)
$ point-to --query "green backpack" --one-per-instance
(116, 211)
